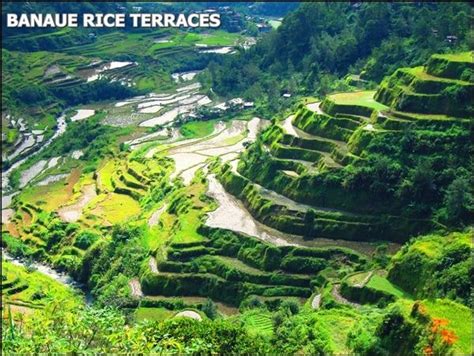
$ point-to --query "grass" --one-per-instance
(258, 322)
(219, 38)
(381, 283)
(459, 317)
(181, 225)
(433, 246)
(191, 218)
(49, 197)
(104, 176)
(187, 227)
(420, 73)
(197, 129)
(456, 57)
(274, 23)
(460, 321)
(23, 68)
(357, 278)
(153, 314)
(362, 98)
(338, 322)
(116, 208)
(234, 139)
(152, 239)
(183, 39)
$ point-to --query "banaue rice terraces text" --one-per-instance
(114, 20)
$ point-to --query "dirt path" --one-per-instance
(294, 205)
(316, 107)
(296, 132)
(288, 126)
(365, 281)
(155, 217)
(226, 144)
(72, 213)
(340, 299)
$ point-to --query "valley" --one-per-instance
(135, 193)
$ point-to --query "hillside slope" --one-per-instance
(366, 165)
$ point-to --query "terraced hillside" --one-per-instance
(229, 267)
(39, 85)
(341, 168)
(24, 290)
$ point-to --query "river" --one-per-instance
(60, 277)
(6, 200)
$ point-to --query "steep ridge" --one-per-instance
(313, 157)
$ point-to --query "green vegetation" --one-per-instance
(380, 283)
(107, 331)
(26, 289)
(358, 194)
(370, 41)
(152, 314)
(197, 129)
(435, 266)
(360, 98)
(257, 322)
(352, 156)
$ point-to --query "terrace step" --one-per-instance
(345, 122)
(314, 143)
(121, 188)
(187, 284)
(290, 152)
(291, 204)
(323, 125)
(359, 118)
(131, 182)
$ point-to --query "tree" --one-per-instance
(458, 200)
(210, 309)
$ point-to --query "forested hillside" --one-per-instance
(321, 42)
(296, 186)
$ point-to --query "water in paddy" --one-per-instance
(28, 142)
(184, 76)
(218, 50)
(232, 215)
(28, 174)
(52, 178)
(61, 128)
(72, 213)
(82, 114)
(91, 74)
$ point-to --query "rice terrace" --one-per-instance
(294, 180)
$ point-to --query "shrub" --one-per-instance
(85, 239)
(292, 305)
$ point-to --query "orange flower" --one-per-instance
(428, 351)
(448, 336)
(436, 323)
